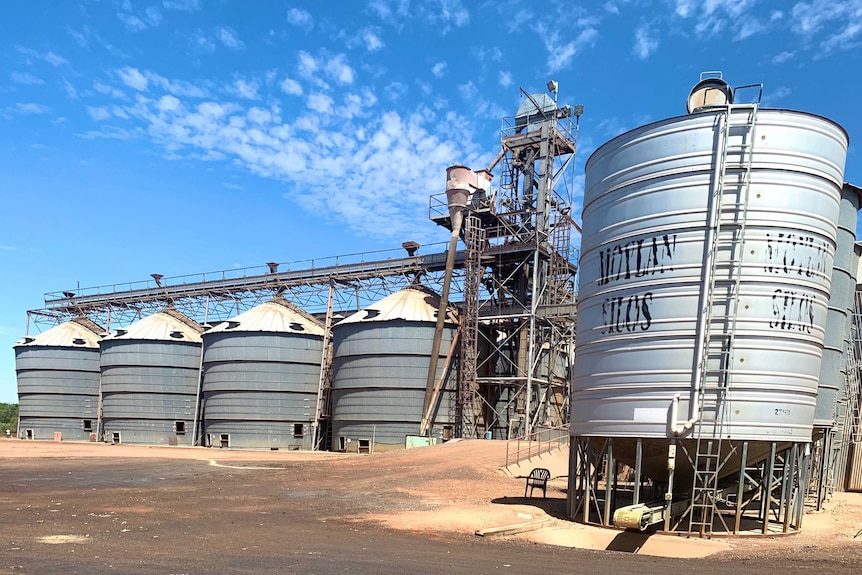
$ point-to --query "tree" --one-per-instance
(8, 418)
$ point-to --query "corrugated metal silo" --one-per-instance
(150, 375)
(380, 366)
(58, 382)
(838, 317)
(643, 267)
(261, 373)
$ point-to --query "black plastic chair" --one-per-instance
(538, 478)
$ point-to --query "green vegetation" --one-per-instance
(8, 418)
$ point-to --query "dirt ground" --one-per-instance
(94, 508)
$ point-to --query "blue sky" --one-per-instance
(182, 136)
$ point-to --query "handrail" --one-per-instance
(536, 443)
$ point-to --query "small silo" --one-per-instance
(58, 382)
(380, 366)
(261, 373)
(150, 375)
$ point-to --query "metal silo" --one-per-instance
(150, 375)
(380, 366)
(840, 309)
(58, 382)
(707, 252)
(261, 373)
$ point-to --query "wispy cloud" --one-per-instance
(505, 78)
(560, 51)
(783, 57)
(299, 18)
(376, 155)
(244, 89)
(26, 79)
(292, 87)
(229, 39)
(645, 42)
(30, 108)
(438, 69)
(182, 5)
(8, 248)
(149, 18)
(339, 70)
(372, 40)
(133, 78)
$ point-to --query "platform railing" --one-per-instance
(536, 443)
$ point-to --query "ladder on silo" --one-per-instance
(740, 122)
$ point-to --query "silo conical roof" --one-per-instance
(166, 325)
(79, 332)
(275, 316)
(413, 303)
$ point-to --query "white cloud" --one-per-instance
(339, 70)
(645, 42)
(26, 79)
(438, 69)
(149, 18)
(292, 87)
(133, 78)
(98, 113)
(229, 39)
(845, 39)
(453, 12)
(69, 88)
(55, 59)
(182, 5)
(505, 78)
(200, 43)
(749, 27)
(320, 103)
(300, 18)
(372, 40)
(168, 103)
(30, 108)
(307, 64)
(560, 52)
(783, 57)
(245, 89)
(108, 90)
(379, 166)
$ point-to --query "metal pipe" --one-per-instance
(706, 278)
(767, 492)
(740, 488)
(609, 470)
(636, 498)
(668, 496)
(200, 384)
(457, 219)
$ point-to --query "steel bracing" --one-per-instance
(526, 277)
(357, 280)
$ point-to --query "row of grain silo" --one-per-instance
(250, 382)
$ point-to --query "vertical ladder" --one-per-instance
(469, 407)
(324, 377)
(730, 198)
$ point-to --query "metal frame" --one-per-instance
(526, 278)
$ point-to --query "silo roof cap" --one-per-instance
(413, 303)
(276, 316)
(79, 332)
(166, 325)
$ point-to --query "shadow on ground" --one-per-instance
(554, 507)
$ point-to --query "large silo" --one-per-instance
(838, 316)
(707, 251)
(150, 375)
(380, 365)
(58, 382)
(261, 373)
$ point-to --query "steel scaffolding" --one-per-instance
(526, 306)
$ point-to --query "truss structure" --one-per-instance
(526, 277)
(356, 279)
